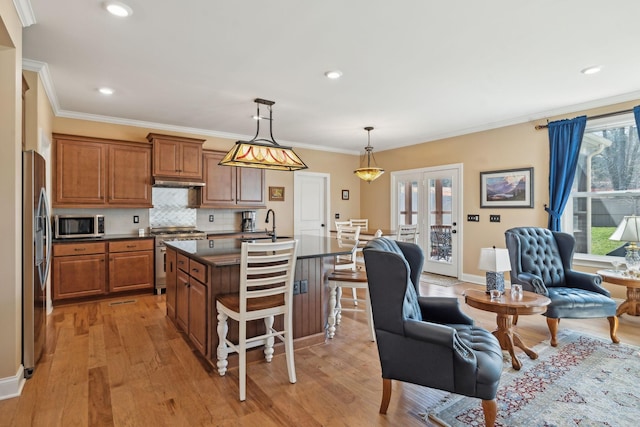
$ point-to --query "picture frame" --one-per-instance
(345, 194)
(509, 188)
(276, 194)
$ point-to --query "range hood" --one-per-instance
(176, 183)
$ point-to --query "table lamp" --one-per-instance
(495, 262)
(629, 231)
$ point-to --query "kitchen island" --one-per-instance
(199, 270)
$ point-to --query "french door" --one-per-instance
(431, 198)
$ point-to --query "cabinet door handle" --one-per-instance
(195, 269)
(80, 249)
(131, 246)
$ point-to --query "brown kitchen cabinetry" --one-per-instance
(192, 301)
(176, 157)
(172, 275)
(131, 265)
(94, 172)
(229, 186)
(98, 269)
(79, 270)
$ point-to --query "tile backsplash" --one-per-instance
(170, 208)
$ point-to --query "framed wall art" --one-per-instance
(345, 194)
(276, 194)
(510, 188)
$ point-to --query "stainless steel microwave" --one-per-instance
(78, 226)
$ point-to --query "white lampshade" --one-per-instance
(494, 259)
(628, 230)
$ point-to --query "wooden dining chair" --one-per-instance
(348, 237)
(360, 222)
(266, 291)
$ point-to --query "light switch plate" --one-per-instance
(473, 218)
(494, 218)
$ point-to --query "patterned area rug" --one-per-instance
(585, 381)
(436, 279)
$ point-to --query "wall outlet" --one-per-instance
(210, 218)
(473, 218)
(211, 244)
(337, 216)
(304, 286)
(136, 219)
(494, 218)
(296, 287)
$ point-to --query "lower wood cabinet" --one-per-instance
(93, 269)
(171, 284)
(131, 265)
(79, 270)
(191, 300)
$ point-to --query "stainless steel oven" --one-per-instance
(165, 234)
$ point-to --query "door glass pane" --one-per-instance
(440, 219)
(407, 202)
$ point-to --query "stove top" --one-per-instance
(177, 233)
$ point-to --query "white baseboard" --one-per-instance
(11, 387)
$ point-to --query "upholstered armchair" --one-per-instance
(426, 341)
(541, 262)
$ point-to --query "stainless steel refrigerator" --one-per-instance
(36, 258)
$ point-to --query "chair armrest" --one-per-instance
(531, 282)
(440, 335)
(587, 281)
(443, 310)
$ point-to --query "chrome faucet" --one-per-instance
(273, 228)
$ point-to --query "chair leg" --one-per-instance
(490, 410)
(268, 345)
(553, 329)
(338, 305)
(222, 352)
(514, 321)
(289, 349)
(242, 360)
(613, 328)
(354, 293)
(386, 395)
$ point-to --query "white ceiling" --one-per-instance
(416, 70)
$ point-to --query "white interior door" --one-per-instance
(311, 203)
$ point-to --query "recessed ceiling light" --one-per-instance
(335, 74)
(105, 91)
(118, 9)
(591, 70)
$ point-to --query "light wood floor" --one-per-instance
(126, 365)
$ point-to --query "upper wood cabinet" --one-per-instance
(176, 157)
(95, 172)
(227, 186)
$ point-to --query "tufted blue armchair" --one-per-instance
(541, 262)
(427, 341)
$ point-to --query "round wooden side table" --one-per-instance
(505, 307)
(631, 305)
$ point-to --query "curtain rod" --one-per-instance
(599, 116)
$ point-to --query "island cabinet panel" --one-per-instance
(176, 157)
(192, 302)
(171, 283)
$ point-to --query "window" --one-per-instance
(606, 185)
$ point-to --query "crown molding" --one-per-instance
(45, 77)
(25, 12)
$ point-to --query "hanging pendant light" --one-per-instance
(263, 153)
(369, 173)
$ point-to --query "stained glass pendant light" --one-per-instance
(263, 153)
(369, 173)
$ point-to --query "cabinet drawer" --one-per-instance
(183, 263)
(131, 245)
(66, 249)
(198, 271)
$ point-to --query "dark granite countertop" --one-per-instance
(221, 252)
(108, 237)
